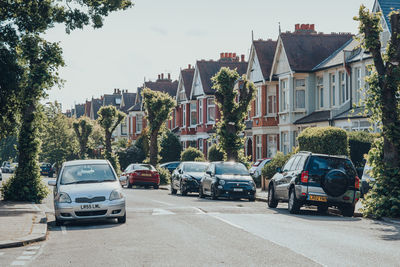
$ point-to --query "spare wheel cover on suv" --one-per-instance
(335, 183)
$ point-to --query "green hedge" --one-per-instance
(359, 145)
(165, 176)
(214, 154)
(324, 140)
(192, 154)
(277, 161)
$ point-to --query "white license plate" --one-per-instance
(90, 206)
(238, 189)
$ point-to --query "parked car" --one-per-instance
(6, 167)
(88, 189)
(227, 179)
(46, 169)
(140, 174)
(366, 180)
(256, 168)
(316, 179)
(187, 176)
(171, 166)
(1, 175)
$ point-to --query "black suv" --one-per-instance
(316, 179)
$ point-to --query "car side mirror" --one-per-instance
(279, 169)
(180, 171)
(209, 173)
(52, 183)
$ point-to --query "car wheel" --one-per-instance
(347, 210)
(183, 190)
(173, 191)
(272, 202)
(322, 209)
(146, 187)
(122, 219)
(128, 184)
(252, 199)
(59, 222)
(213, 193)
(201, 195)
(156, 186)
(293, 205)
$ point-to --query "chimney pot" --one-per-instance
(312, 27)
(242, 58)
(159, 76)
(234, 55)
(169, 76)
(226, 54)
(297, 27)
(162, 76)
(191, 66)
(221, 55)
(230, 55)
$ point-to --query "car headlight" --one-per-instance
(116, 194)
(221, 182)
(63, 198)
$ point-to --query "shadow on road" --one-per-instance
(84, 225)
(388, 234)
(314, 215)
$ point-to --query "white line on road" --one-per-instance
(225, 221)
(64, 230)
(24, 257)
(162, 212)
(18, 263)
(199, 211)
(162, 202)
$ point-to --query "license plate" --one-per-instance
(146, 174)
(238, 189)
(90, 206)
(318, 198)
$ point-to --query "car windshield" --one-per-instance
(228, 168)
(330, 163)
(87, 173)
(195, 167)
(143, 167)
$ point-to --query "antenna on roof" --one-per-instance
(252, 35)
(279, 28)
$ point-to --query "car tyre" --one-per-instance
(122, 219)
(252, 199)
(293, 204)
(272, 202)
(128, 184)
(173, 191)
(347, 210)
(201, 194)
(59, 222)
(183, 191)
(156, 186)
(213, 193)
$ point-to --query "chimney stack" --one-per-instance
(162, 76)
(304, 28)
(158, 76)
(169, 76)
(221, 55)
(242, 58)
(189, 67)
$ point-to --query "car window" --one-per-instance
(87, 173)
(300, 165)
(288, 164)
(329, 163)
(295, 163)
(129, 168)
(173, 165)
(143, 167)
(228, 168)
(195, 167)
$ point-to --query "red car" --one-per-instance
(141, 174)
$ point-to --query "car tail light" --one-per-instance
(134, 174)
(357, 183)
(156, 174)
(304, 177)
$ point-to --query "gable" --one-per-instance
(254, 71)
(181, 95)
(197, 87)
(281, 62)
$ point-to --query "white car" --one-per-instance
(257, 167)
(88, 189)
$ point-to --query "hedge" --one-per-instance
(359, 144)
(165, 176)
(277, 161)
(192, 154)
(324, 140)
(214, 154)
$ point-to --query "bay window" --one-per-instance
(271, 100)
(201, 111)
(300, 91)
(210, 110)
(193, 114)
(320, 92)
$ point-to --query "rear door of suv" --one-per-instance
(281, 184)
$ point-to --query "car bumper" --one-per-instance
(191, 185)
(304, 194)
(102, 210)
(233, 193)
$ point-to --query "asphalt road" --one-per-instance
(166, 230)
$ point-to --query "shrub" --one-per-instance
(214, 154)
(165, 176)
(16, 189)
(170, 147)
(132, 154)
(324, 140)
(277, 161)
(359, 144)
(192, 154)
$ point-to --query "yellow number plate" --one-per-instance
(318, 198)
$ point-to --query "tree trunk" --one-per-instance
(108, 142)
(154, 148)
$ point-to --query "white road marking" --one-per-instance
(199, 211)
(64, 230)
(28, 253)
(36, 207)
(18, 263)
(24, 257)
(225, 221)
(33, 248)
(162, 202)
(162, 212)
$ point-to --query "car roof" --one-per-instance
(323, 155)
(86, 161)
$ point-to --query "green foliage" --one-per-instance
(278, 160)
(132, 154)
(324, 140)
(83, 129)
(96, 141)
(158, 107)
(165, 176)
(143, 142)
(8, 148)
(170, 147)
(192, 154)
(359, 144)
(214, 154)
(233, 111)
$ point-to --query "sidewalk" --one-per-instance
(263, 196)
(21, 223)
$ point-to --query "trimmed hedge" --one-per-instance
(278, 160)
(214, 154)
(359, 144)
(165, 176)
(192, 154)
(324, 140)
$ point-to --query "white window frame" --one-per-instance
(124, 127)
(193, 113)
(201, 145)
(285, 142)
(342, 84)
(258, 102)
(184, 115)
(358, 84)
(139, 126)
(320, 92)
(200, 111)
(271, 92)
(332, 87)
(297, 89)
(210, 105)
(258, 146)
(272, 145)
(284, 106)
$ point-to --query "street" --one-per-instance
(166, 230)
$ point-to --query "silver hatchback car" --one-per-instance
(88, 189)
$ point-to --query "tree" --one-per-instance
(158, 106)
(31, 64)
(170, 147)
(384, 102)
(8, 148)
(233, 105)
(83, 129)
(58, 139)
(214, 154)
(109, 119)
(192, 154)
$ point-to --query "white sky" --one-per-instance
(158, 36)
